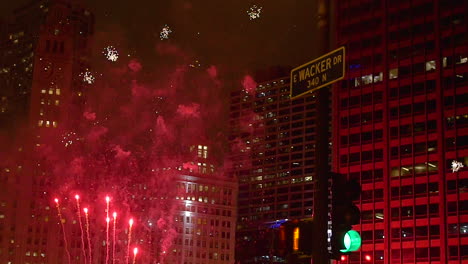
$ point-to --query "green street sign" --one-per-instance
(318, 73)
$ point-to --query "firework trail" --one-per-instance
(77, 197)
(135, 252)
(63, 229)
(113, 238)
(107, 229)
(130, 223)
(87, 234)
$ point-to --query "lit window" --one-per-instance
(47, 123)
(42, 101)
(41, 112)
(43, 91)
(366, 79)
(378, 77)
(430, 65)
(40, 122)
(393, 73)
(308, 178)
(54, 123)
(57, 91)
(57, 102)
(51, 91)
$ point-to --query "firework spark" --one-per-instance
(87, 234)
(59, 213)
(77, 197)
(69, 138)
(135, 252)
(130, 223)
(166, 30)
(254, 12)
(107, 228)
(114, 215)
(88, 77)
(111, 53)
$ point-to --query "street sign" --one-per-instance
(318, 73)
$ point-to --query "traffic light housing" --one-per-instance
(295, 238)
(344, 215)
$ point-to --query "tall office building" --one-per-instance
(198, 222)
(272, 141)
(44, 48)
(400, 125)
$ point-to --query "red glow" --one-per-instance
(114, 215)
(107, 219)
(135, 251)
(368, 257)
(107, 199)
(343, 258)
(130, 222)
(77, 196)
(56, 200)
(85, 210)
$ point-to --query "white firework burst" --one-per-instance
(88, 77)
(254, 12)
(166, 30)
(111, 53)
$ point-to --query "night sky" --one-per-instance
(214, 32)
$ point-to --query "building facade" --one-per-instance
(44, 48)
(400, 127)
(272, 140)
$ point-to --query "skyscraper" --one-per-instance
(44, 48)
(400, 120)
(272, 155)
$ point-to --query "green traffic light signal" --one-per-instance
(351, 241)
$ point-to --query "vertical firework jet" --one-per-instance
(135, 252)
(77, 197)
(114, 215)
(130, 223)
(59, 213)
(87, 234)
(107, 229)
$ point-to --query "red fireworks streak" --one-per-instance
(87, 256)
(87, 234)
(59, 213)
(114, 215)
(135, 252)
(77, 197)
(130, 223)
(107, 229)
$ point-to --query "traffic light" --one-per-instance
(344, 214)
(296, 237)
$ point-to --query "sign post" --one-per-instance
(318, 73)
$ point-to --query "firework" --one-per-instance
(254, 12)
(166, 30)
(135, 252)
(88, 77)
(87, 234)
(114, 215)
(69, 138)
(107, 228)
(111, 53)
(77, 197)
(130, 223)
(59, 213)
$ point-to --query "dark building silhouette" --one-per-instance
(272, 140)
(45, 47)
(400, 121)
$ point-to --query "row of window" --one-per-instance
(47, 123)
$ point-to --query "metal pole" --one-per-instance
(320, 255)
